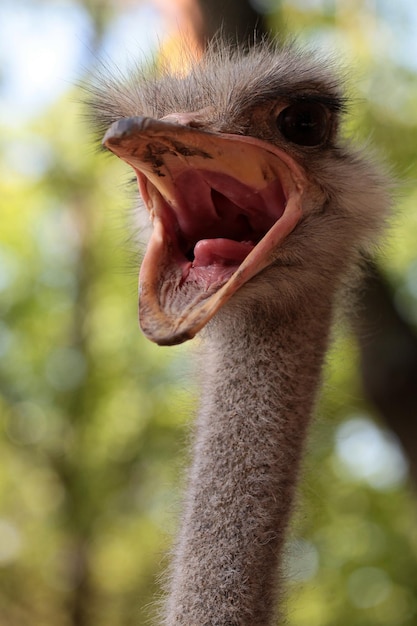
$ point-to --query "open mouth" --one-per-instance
(218, 222)
(220, 206)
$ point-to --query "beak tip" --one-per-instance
(170, 337)
(123, 128)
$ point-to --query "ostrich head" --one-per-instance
(246, 179)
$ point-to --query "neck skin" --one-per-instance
(260, 376)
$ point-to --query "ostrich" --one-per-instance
(261, 212)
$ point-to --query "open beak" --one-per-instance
(220, 204)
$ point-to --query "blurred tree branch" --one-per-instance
(238, 21)
(388, 349)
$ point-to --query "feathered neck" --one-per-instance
(260, 377)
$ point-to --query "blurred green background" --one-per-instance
(94, 420)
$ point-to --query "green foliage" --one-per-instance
(91, 413)
(93, 418)
(356, 563)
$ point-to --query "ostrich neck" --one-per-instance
(260, 377)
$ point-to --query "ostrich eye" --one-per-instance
(304, 123)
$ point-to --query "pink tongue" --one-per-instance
(220, 251)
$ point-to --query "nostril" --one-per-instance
(194, 119)
(185, 119)
(196, 123)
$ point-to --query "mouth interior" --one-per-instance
(215, 221)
